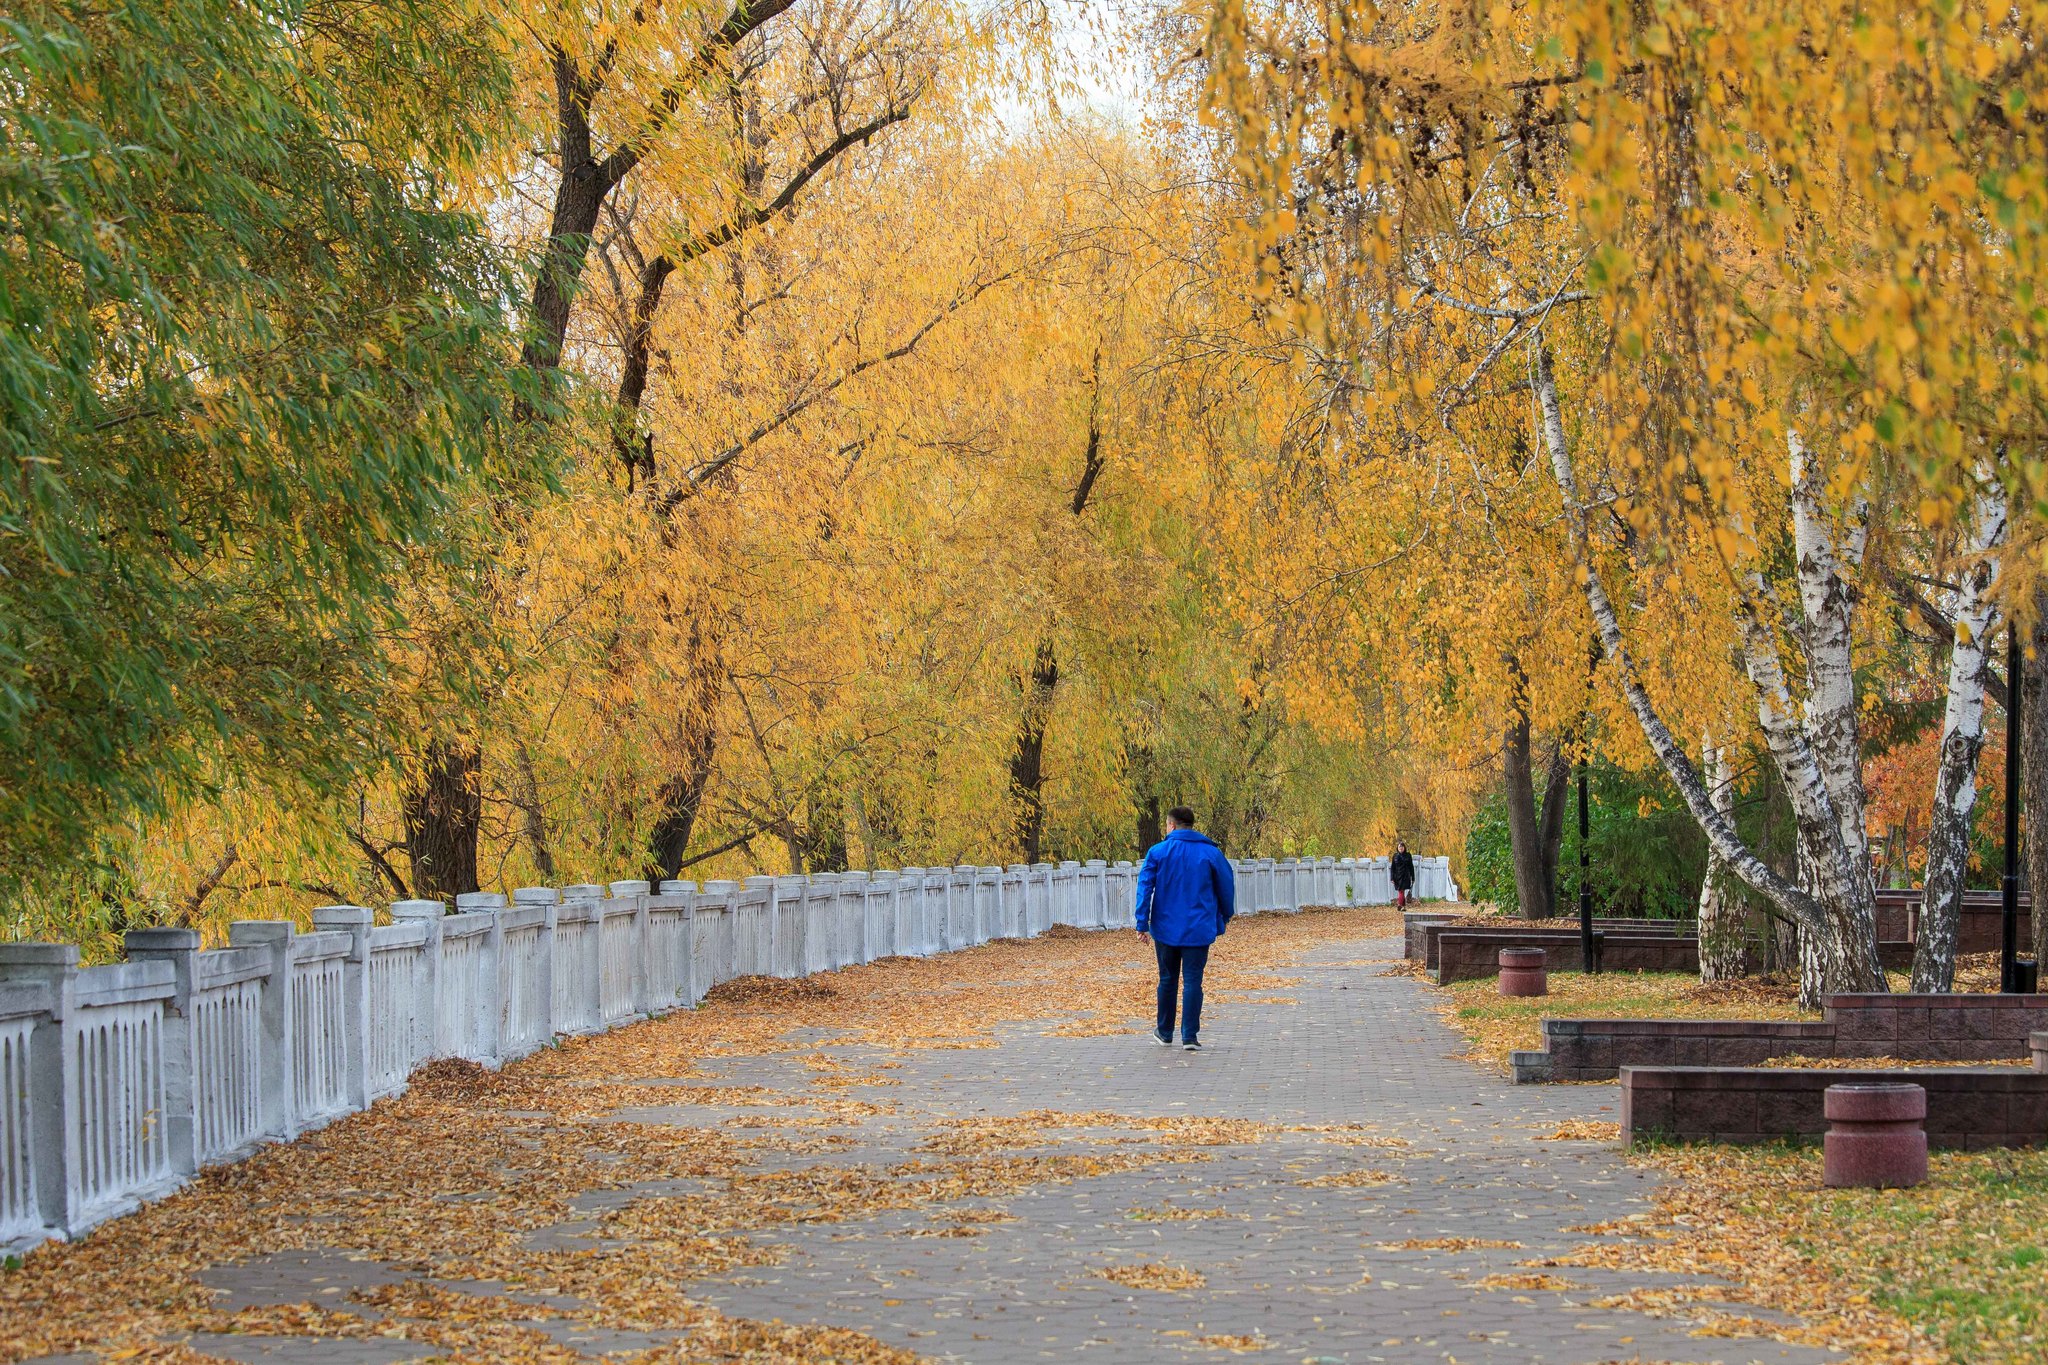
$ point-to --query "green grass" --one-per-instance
(1961, 1258)
(1498, 1025)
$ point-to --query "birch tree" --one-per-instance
(1723, 912)
(1971, 607)
(1835, 906)
(1733, 243)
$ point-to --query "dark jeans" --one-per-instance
(1185, 964)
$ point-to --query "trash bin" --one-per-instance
(1876, 1138)
(1522, 972)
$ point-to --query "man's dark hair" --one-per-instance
(1182, 816)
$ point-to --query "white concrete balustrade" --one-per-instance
(118, 1082)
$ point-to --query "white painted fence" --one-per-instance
(118, 1082)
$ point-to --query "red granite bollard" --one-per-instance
(1877, 1136)
(1522, 972)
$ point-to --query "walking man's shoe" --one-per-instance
(1164, 1040)
(1191, 1046)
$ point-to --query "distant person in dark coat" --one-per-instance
(1401, 870)
(1186, 896)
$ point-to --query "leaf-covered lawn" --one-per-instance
(1954, 1271)
(1498, 1025)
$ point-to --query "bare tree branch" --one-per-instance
(701, 474)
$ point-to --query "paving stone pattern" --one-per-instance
(1304, 1270)
(1301, 1267)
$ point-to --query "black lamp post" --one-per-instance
(1589, 957)
(2009, 940)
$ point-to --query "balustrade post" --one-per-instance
(787, 925)
(1094, 893)
(932, 911)
(53, 1138)
(277, 1077)
(820, 892)
(960, 906)
(878, 915)
(984, 899)
(546, 951)
(355, 921)
(1010, 892)
(682, 944)
(491, 1040)
(713, 935)
(643, 942)
(181, 1100)
(909, 909)
(429, 915)
(754, 928)
(850, 937)
(1066, 896)
(588, 983)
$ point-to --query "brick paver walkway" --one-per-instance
(1295, 1270)
(1313, 1272)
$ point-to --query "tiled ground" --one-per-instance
(1292, 1270)
(1306, 1270)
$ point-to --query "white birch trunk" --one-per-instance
(1842, 946)
(1829, 603)
(1724, 913)
(1837, 915)
(1971, 608)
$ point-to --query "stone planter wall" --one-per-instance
(1966, 1109)
(1465, 955)
(1937, 1028)
(1424, 927)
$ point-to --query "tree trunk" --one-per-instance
(1810, 960)
(679, 800)
(2034, 761)
(1837, 911)
(444, 812)
(1780, 935)
(1724, 911)
(1784, 939)
(578, 201)
(825, 836)
(1027, 759)
(1150, 828)
(532, 814)
(693, 747)
(1828, 600)
(444, 809)
(1525, 840)
(1971, 608)
(635, 451)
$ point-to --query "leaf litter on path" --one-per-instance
(452, 1180)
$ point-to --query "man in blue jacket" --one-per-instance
(1186, 896)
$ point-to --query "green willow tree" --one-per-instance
(255, 373)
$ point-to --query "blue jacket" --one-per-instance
(1186, 893)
